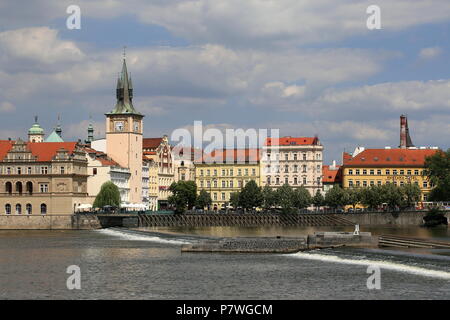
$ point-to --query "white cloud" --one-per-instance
(39, 45)
(7, 107)
(430, 53)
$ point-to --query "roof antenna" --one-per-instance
(124, 52)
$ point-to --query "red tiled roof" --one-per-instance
(234, 155)
(5, 146)
(291, 141)
(391, 157)
(151, 143)
(44, 151)
(331, 176)
(107, 162)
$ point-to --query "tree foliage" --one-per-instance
(318, 199)
(234, 200)
(250, 196)
(109, 195)
(335, 197)
(269, 197)
(302, 198)
(204, 199)
(184, 195)
(437, 169)
(285, 198)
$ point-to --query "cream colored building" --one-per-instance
(163, 158)
(226, 171)
(102, 169)
(293, 161)
(42, 178)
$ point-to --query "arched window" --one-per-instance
(7, 208)
(18, 208)
(8, 187)
(29, 208)
(43, 208)
(19, 187)
(29, 187)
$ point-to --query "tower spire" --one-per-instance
(124, 92)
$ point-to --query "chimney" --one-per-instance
(405, 139)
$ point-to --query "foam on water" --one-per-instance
(140, 237)
(381, 263)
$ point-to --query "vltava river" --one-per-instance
(123, 265)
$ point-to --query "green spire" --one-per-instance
(124, 94)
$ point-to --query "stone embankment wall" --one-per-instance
(48, 222)
(284, 245)
(250, 245)
(412, 218)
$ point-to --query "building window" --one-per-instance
(379, 182)
(43, 208)
(19, 187)
(29, 208)
(201, 173)
(215, 196)
(295, 156)
(295, 180)
(183, 176)
(208, 172)
(208, 184)
(8, 170)
(388, 172)
(253, 172)
(223, 195)
(7, 208)
(18, 208)
(44, 170)
(304, 156)
(350, 183)
(43, 187)
(239, 172)
(277, 180)
(215, 172)
(62, 170)
(286, 180)
(201, 184)
(408, 172)
(350, 171)
(240, 184)
(29, 187)
(402, 171)
(223, 183)
(286, 156)
(379, 172)
(29, 170)
(358, 183)
(416, 172)
(304, 180)
(425, 184)
(357, 172)
(8, 187)
(304, 168)
(372, 172)
(364, 171)
(19, 170)
(372, 183)
(246, 172)
(215, 183)
(394, 172)
(223, 172)
(94, 171)
(231, 183)
(295, 168)
(286, 168)
(364, 183)
(231, 172)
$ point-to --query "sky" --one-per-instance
(305, 67)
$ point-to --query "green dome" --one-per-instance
(36, 129)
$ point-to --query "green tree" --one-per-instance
(285, 198)
(269, 197)
(318, 200)
(184, 195)
(353, 196)
(204, 199)
(437, 169)
(335, 197)
(391, 195)
(109, 195)
(250, 196)
(372, 196)
(234, 200)
(302, 198)
(411, 194)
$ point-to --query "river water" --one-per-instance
(118, 264)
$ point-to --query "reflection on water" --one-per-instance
(117, 265)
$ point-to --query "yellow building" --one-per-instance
(380, 166)
(223, 172)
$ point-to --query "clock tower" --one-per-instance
(124, 132)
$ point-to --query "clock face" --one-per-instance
(118, 125)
